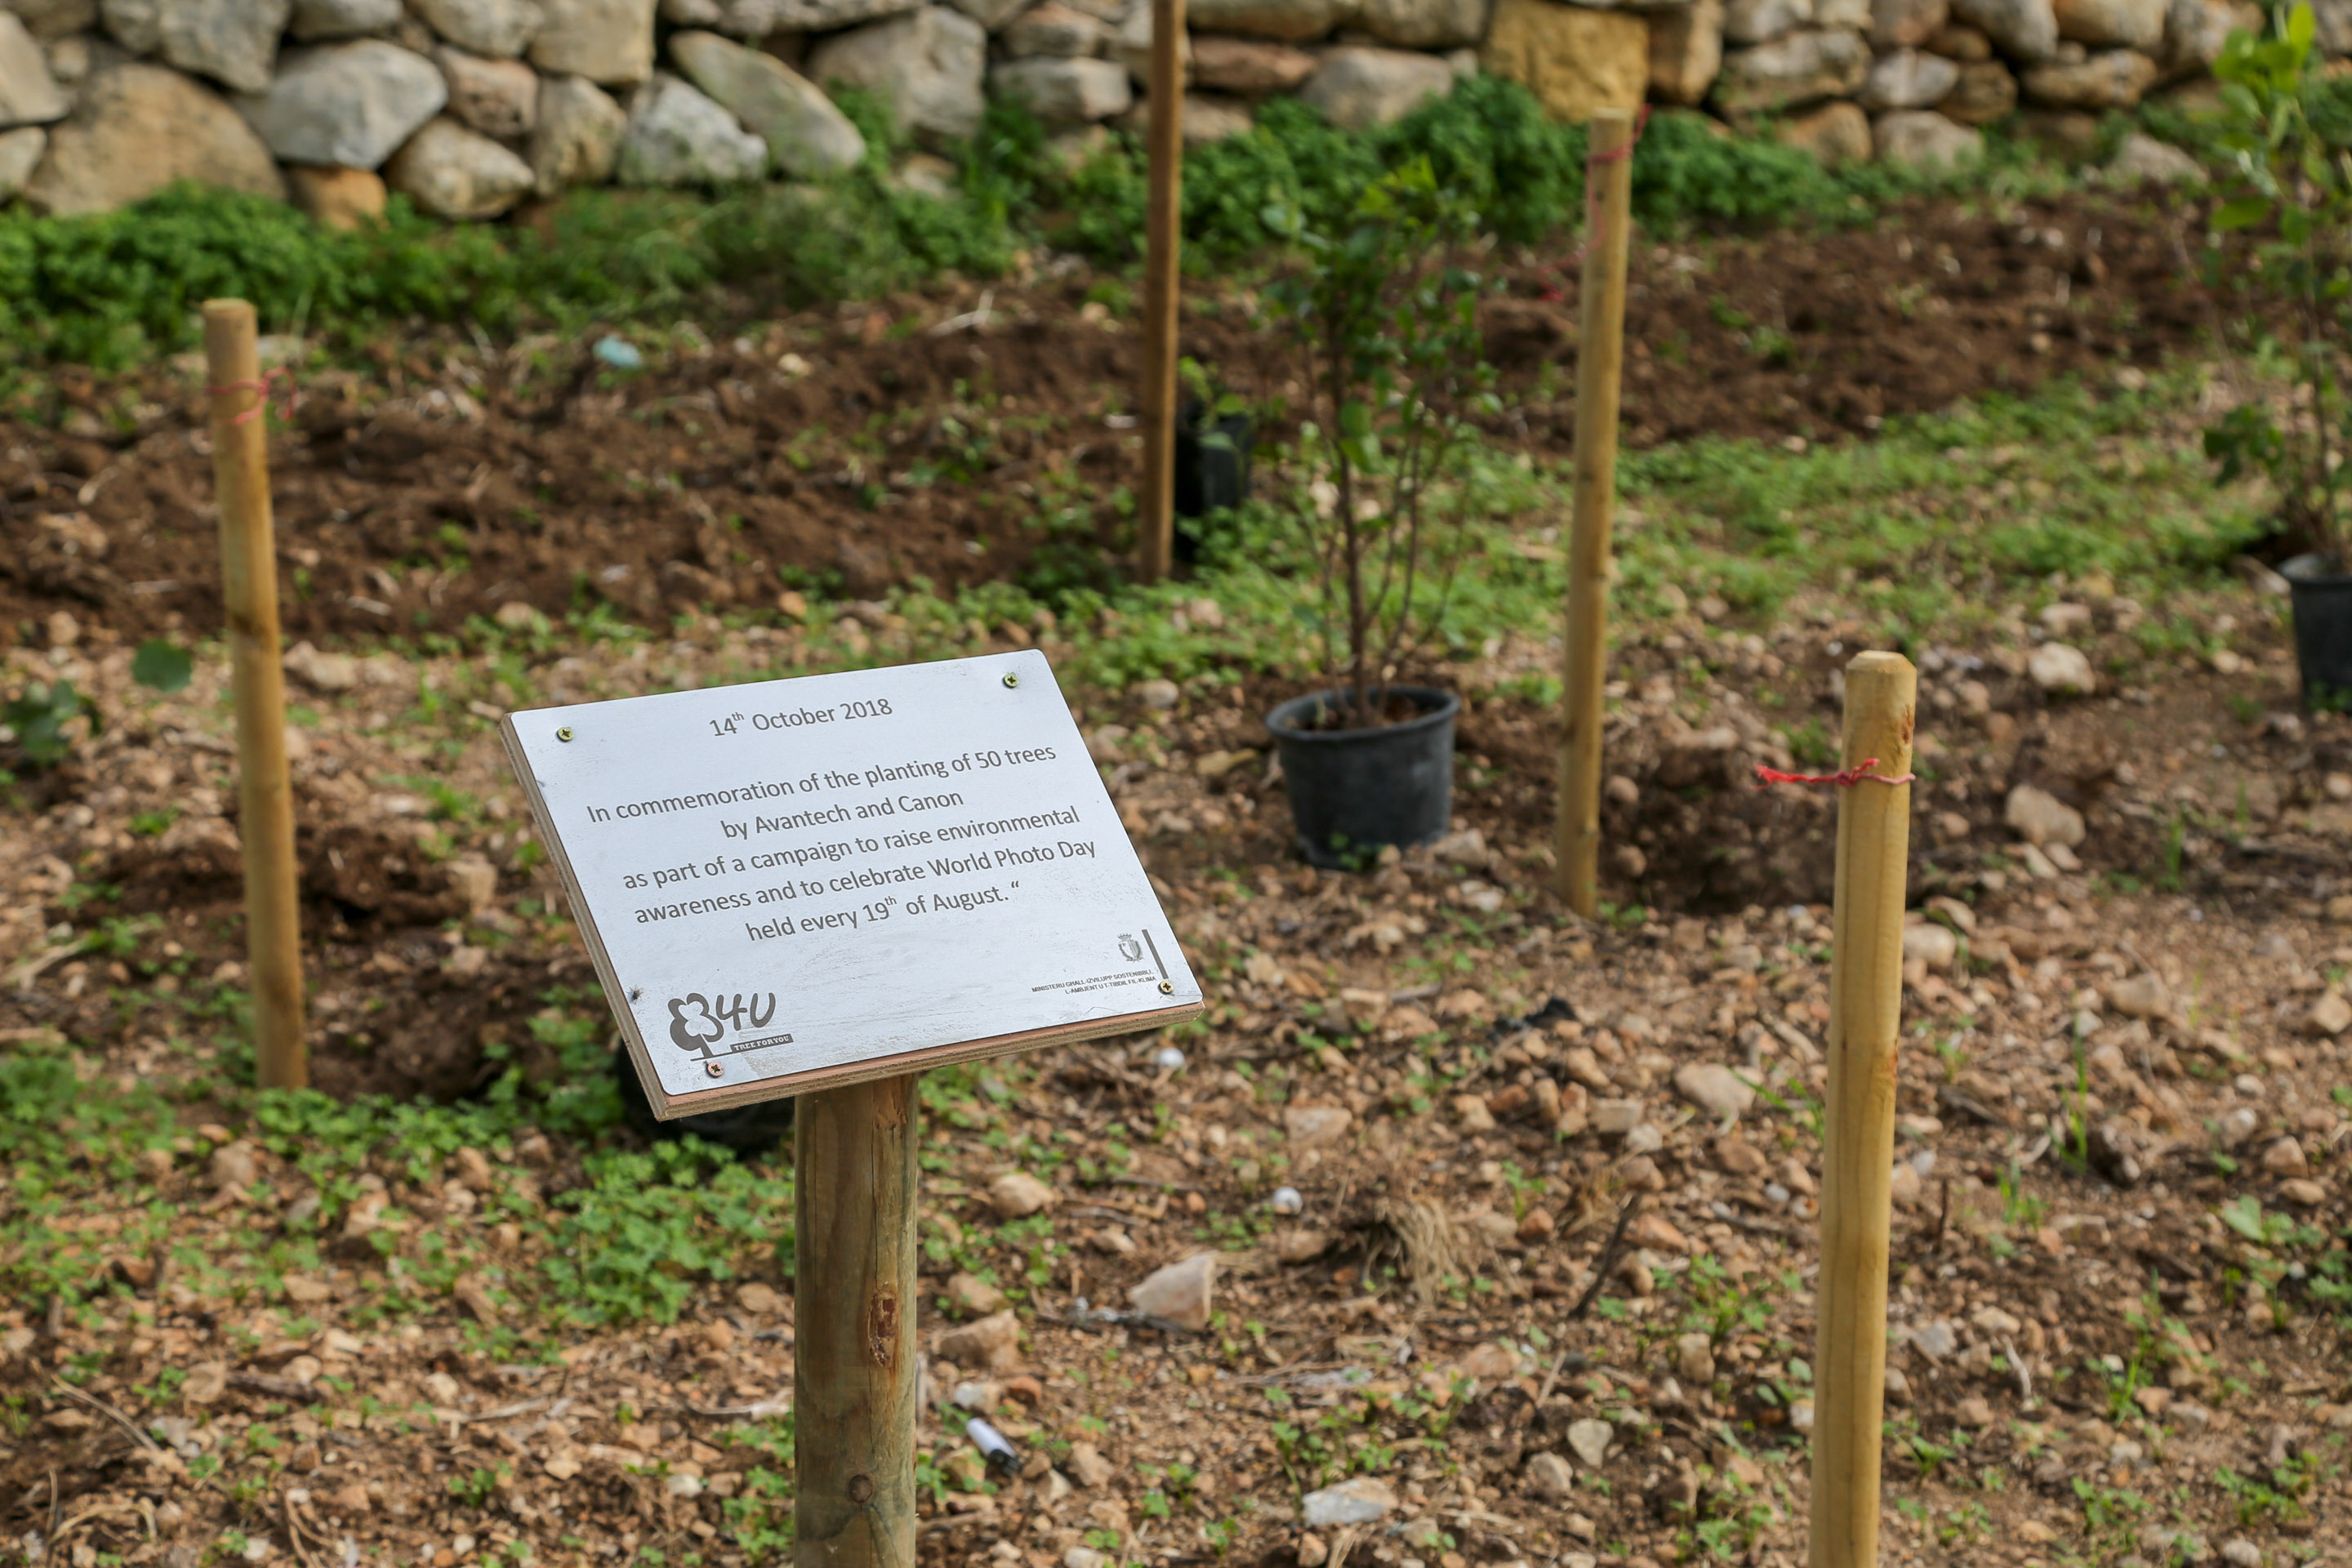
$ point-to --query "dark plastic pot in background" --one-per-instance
(1209, 475)
(751, 1130)
(2322, 596)
(1353, 792)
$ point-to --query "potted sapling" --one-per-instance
(2284, 224)
(1381, 308)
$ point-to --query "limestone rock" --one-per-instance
(1361, 1501)
(1301, 1245)
(987, 1345)
(1930, 944)
(1715, 1090)
(1907, 79)
(1803, 68)
(1573, 60)
(1923, 139)
(231, 42)
(456, 174)
(1016, 1195)
(1846, 15)
(1590, 1439)
(1316, 1126)
(926, 66)
(1249, 66)
(976, 1297)
(2141, 997)
(136, 128)
(578, 139)
(751, 20)
(1548, 1479)
(1061, 92)
(500, 29)
(20, 155)
(992, 14)
(1425, 24)
(1287, 21)
(2122, 24)
(807, 136)
(325, 21)
(349, 104)
(29, 94)
(2040, 818)
(2284, 1157)
(339, 198)
(1761, 21)
(677, 136)
(46, 19)
(2327, 1017)
(608, 42)
(1180, 1293)
(2024, 29)
(2057, 667)
(1907, 24)
(2144, 160)
(1055, 30)
(1964, 44)
(497, 97)
(1685, 52)
(2194, 32)
(1357, 89)
(1986, 92)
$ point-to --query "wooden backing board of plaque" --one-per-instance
(723, 1097)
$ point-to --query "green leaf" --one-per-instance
(2302, 28)
(2243, 213)
(161, 667)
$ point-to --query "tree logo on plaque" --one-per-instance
(697, 1023)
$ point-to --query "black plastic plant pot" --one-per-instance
(1208, 474)
(2322, 598)
(1355, 791)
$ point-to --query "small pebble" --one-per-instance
(1167, 1058)
(1286, 1200)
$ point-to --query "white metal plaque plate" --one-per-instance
(800, 883)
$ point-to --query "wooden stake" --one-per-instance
(1600, 352)
(1163, 217)
(854, 1313)
(273, 932)
(1874, 844)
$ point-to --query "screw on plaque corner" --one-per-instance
(1010, 680)
(564, 733)
(716, 1069)
(1168, 988)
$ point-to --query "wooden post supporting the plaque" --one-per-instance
(854, 1357)
(1600, 352)
(1873, 843)
(1162, 239)
(265, 791)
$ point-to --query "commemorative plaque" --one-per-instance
(797, 884)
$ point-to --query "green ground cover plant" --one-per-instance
(116, 288)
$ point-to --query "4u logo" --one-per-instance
(697, 1022)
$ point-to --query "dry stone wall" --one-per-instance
(471, 107)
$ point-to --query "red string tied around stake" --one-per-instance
(260, 389)
(1858, 773)
(1595, 225)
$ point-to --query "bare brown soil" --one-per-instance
(862, 448)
